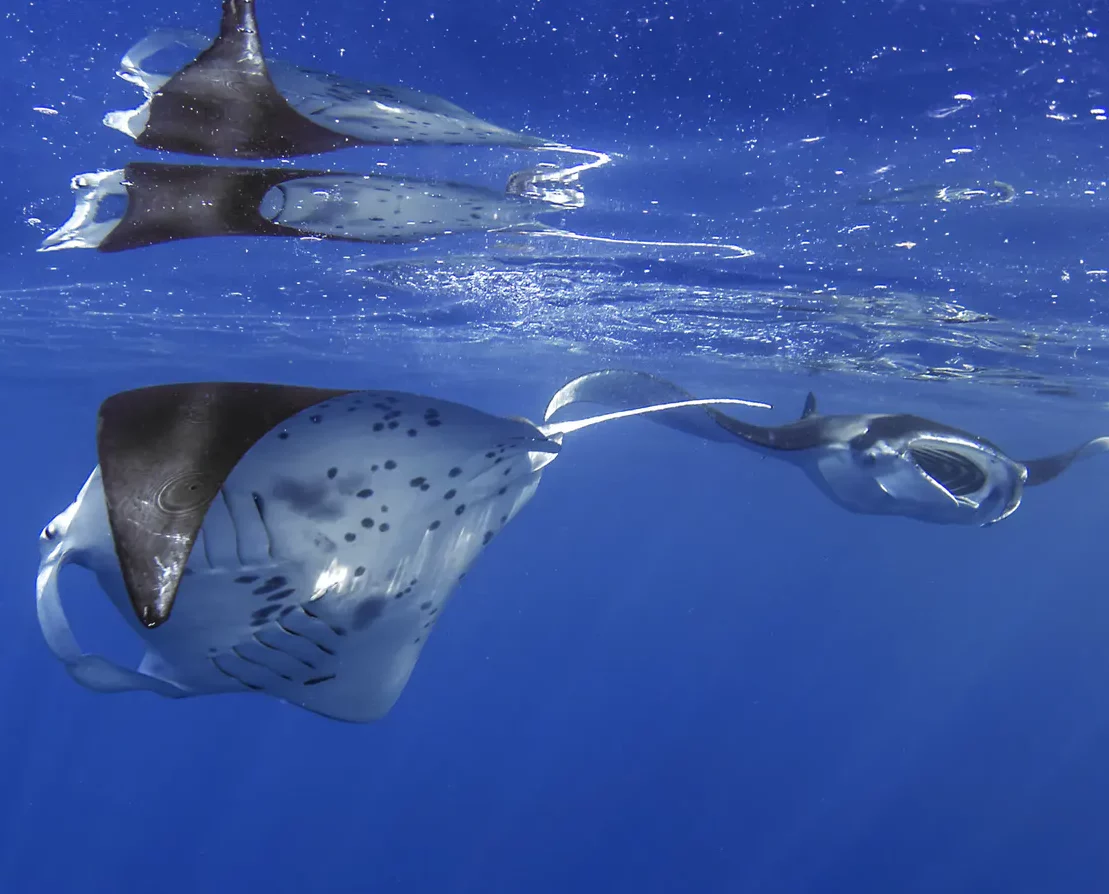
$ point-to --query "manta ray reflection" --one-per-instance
(298, 542)
(167, 202)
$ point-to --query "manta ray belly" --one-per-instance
(329, 553)
(337, 542)
(384, 114)
(391, 209)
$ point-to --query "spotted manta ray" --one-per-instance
(230, 102)
(875, 464)
(297, 542)
(166, 203)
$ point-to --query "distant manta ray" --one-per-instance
(230, 102)
(876, 464)
(299, 542)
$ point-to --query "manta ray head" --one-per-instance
(942, 476)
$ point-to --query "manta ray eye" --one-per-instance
(49, 532)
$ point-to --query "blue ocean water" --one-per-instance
(682, 668)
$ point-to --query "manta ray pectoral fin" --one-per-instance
(1040, 471)
(165, 452)
(810, 406)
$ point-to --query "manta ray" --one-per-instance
(230, 102)
(292, 541)
(874, 464)
(167, 202)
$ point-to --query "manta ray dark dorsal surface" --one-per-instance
(164, 453)
(224, 103)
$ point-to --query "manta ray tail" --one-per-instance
(1043, 470)
(557, 429)
(636, 393)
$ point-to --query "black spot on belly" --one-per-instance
(348, 537)
(384, 526)
(332, 472)
(412, 432)
(379, 426)
(455, 472)
(416, 482)
(434, 525)
(488, 536)
(246, 579)
(309, 499)
(360, 570)
(274, 583)
(317, 680)
(424, 606)
(284, 436)
(389, 464)
(460, 509)
(280, 594)
(450, 495)
(364, 494)
(367, 523)
(434, 423)
(368, 611)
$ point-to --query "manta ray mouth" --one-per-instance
(953, 471)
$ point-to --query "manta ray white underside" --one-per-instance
(325, 558)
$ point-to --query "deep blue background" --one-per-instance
(680, 669)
